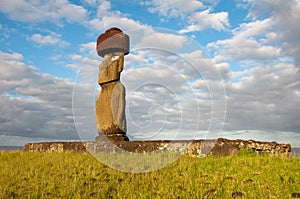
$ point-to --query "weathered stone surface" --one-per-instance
(110, 109)
(109, 70)
(191, 147)
(231, 147)
(224, 149)
(55, 147)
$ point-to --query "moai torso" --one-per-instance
(110, 70)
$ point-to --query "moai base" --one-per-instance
(200, 148)
(110, 105)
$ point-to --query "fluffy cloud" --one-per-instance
(266, 99)
(105, 22)
(33, 104)
(198, 15)
(55, 11)
(103, 8)
(52, 39)
(179, 8)
(158, 39)
(205, 19)
(39, 11)
(107, 18)
(248, 42)
(284, 15)
(88, 47)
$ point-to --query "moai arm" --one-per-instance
(110, 70)
(103, 67)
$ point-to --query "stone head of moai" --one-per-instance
(110, 105)
(113, 43)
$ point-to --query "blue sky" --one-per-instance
(197, 69)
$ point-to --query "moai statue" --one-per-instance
(110, 105)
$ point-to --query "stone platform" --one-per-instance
(218, 147)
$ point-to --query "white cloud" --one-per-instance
(266, 8)
(205, 66)
(72, 12)
(88, 47)
(249, 41)
(6, 33)
(205, 19)
(250, 49)
(195, 13)
(39, 11)
(89, 2)
(211, 2)
(254, 28)
(11, 57)
(179, 8)
(284, 15)
(265, 99)
(106, 18)
(52, 39)
(89, 63)
(103, 8)
(113, 21)
(151, 38)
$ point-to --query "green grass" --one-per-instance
(80, 175)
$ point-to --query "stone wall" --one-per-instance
(55, 147)
(231, 147)
(219, 147)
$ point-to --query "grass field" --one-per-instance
(80, 175)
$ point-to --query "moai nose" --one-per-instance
(112, 41)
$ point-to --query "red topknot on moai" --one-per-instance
(110, 105)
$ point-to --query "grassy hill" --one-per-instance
(80, 175)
